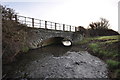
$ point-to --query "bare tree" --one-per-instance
(7, 13)
(102, 24)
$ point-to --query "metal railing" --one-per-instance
(37, 23)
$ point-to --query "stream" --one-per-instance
(56, 61)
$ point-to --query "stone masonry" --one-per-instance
(36, 36)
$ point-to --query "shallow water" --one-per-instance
(56, 61)
(34, 55)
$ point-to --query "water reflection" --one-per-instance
(34, 55)
(55, 50)
(37, 54)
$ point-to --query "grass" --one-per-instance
(25, 49)
(94, 47)
(111, 41)
(106, 48)
(107, 37)
(86, 40)
(113, 64)
(102, 51)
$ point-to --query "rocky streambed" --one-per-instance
(72, 64)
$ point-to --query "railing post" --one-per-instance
(75, 29)
(45, 24)
(40, 23)
(51, 25)
(55, 25)
(32, 22)
(70, 28)
(16, 20)
(63, 27)
(25, 20)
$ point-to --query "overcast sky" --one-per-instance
(72, 12)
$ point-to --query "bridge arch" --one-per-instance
(41, 37)
(51, 40)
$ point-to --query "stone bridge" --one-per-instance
(38, 37)
(41, 33)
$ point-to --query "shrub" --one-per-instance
(103, 24)
(14, 36)
(101, 28)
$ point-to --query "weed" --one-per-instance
(112, 64)
(25, 49)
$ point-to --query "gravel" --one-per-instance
(71, 65)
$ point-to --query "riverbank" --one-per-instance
(107, 49)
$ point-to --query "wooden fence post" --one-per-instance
(16, 20)
(63, 27)
(32, 22)
(51, 25)
(75, 29)
(40, 23)
(25, 20)
(55, 25)
(70, 28)
(45, 24)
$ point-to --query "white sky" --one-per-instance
(72, 12)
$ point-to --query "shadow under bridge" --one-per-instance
(54, 40)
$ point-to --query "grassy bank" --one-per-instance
(13, 40)
(107, 49)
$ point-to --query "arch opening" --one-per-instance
(56, 41)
